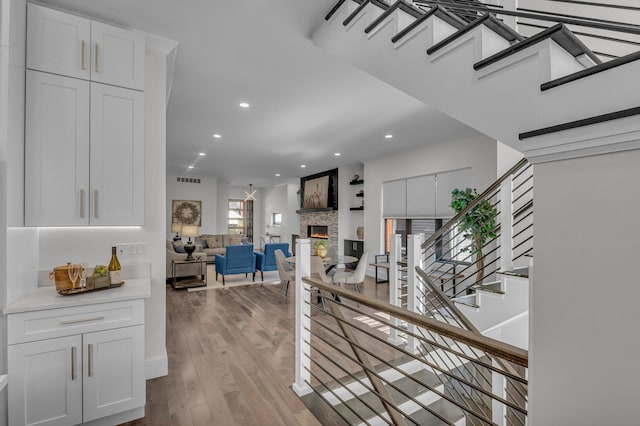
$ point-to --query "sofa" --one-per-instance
(217, 244)
(186, 270)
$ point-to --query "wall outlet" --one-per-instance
(130, 249)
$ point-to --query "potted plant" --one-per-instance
(321, 247)
(478, 225)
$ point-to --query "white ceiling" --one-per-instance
(305, 105)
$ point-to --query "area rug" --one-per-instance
(270, 278)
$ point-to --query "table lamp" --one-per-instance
(177, 228)
(190, 231)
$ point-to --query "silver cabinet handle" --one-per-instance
(90, 357)
(96, 69)
(82, 203)
(67, 322)
(95, 203)
(73, 363)
(82, 55)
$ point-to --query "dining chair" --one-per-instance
(285, 271)
(318, 267)
(356, 277)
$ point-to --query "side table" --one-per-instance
(199, 280)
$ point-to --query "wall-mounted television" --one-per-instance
(319, 191)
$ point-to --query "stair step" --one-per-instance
(517, 272)
(449, 411)
(469, 300)
(558, 33)
(493, 287)
(405, 383)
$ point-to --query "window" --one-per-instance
(276, 219)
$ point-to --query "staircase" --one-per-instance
(482, 72)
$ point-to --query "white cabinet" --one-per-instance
(58, 42)
(56, 150)
(117, 56)
(73, 365)
(66, 44)
(117, 156)
(45, 382)
(84, 153)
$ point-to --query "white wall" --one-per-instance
(206, 191)
(277, 199)
(92, 245)
(479, 153)
(507, 158)
(584, 313)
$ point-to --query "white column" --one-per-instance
(414, 258)
(303, 323)
(584, 316)
(394, 285)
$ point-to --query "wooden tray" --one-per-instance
(87, 290)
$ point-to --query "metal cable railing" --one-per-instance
(367, 380)
(483, 240)
(607, 38)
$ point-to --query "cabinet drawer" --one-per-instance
(52, 323)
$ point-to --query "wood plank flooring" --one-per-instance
(231, 359)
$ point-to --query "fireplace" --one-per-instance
(318, 231)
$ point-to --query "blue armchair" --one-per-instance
(238, 259)
(266, 261)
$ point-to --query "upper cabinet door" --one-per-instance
(117, 56)
(56, 150)
(58, 42)
(117, 156)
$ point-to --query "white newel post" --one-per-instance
(506, 225)
(303, 323)
(498, 385)
(414, 258)
(394, 285)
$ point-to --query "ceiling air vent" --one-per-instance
(188, 180)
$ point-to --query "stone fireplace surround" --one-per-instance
(327, 218)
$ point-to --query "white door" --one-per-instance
(45, 382)
(56, 150)
(117, 156)
(114, 376)
(118, 56)
(58, 42)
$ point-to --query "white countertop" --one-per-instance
(48, 298)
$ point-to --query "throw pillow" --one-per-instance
(202, 242)
(178, 246)
(212, 242)
(235, 240)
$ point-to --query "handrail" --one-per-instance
(490, 346)
(475, 202)
(623, 27)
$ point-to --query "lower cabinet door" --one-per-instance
(114, 376)
(45, 382)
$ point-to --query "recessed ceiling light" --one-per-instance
(191, 167)
(217, 135)
(303, 165)
(337, 154)
(277, 174)
(202, 154)
(244, 105)
(388, 136)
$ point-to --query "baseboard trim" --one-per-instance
(157, 367)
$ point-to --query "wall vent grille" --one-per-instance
(188, 180)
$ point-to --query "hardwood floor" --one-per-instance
(231, 359)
